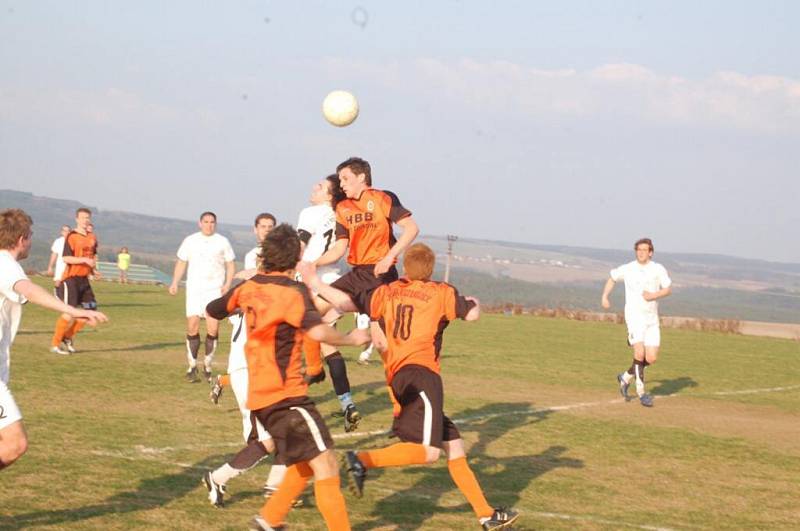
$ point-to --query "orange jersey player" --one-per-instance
(413, 313)
(80, 257)
(278, 311)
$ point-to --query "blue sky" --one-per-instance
(577, 123)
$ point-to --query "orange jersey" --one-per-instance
(367, 223)
(80, 246)
(414, 314)
(277, 310)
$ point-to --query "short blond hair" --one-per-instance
(418, 262)
(14, 224)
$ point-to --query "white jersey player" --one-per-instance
(209, 258)
(15, 290)
(645, 283)
(57, 266)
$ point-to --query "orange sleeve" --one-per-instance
(449, 296)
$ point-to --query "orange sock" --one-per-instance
(330, 503)
(468, 485)
(312, 350)
(61, 330)
(224, 379)
(278, 505)
(77, 324)
(395, 455)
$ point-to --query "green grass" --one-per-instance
(118, 440)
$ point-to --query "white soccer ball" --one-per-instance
(340, 108)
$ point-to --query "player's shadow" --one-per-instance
(151, 493)
(145, 346)
(128, 304)
(502, 479)
(669, 387)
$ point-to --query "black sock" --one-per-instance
(338, 370)
(211, 344)
(248, 456)
(194, 344)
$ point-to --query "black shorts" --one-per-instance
(77, 292)
(58, 291)
(420, 393)
(297, 429)
(361, 281)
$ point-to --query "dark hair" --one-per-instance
(357, 166)
(335, 189)
(208, 213)
(83, 209)
(418, 262)
(640, 241)
(264, 215)
(14, 224)
(280, 250)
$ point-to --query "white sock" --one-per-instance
(639, 382)
(207, 362)
(627, 377)
(224, 473)
(275, 478)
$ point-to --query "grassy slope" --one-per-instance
(91, 418)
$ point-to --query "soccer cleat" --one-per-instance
(68, 346)
(259, 524)
(269, 491)
(191, 375)
(207, 374)
(623, 387)
(312, 379)
(501, 518)
(59, 350)
(216, 391)
(646, 400)
(356, 473)
(351, 418)
(216, 492)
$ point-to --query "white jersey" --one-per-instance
(206, 256)
(237, 359)
(638, 279)
(10, 309)
(61, 266)
(319, 222)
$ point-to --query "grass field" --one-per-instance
(118, 440)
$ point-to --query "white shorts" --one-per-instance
(9, 412)
(197, 300)
(239, 386)
(649, 334)
(327, 276)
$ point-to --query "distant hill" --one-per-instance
(534, 275)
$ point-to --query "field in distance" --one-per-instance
(118, 440)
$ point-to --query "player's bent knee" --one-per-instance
(432, 454)
(324, 465)
(454, 449)
(12, 446)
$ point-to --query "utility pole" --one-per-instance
(450, 240)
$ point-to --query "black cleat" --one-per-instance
(623, 387)
(191, 375)
(68, 345)
(646, 400)
(356, 473)
(501, 518)
(207, 374)
(312, 379)
(216, 492)
(351, 418)
(216, 391)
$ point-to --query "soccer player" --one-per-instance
(56, 266)
(209, 258)
(15, 290)
(80, 256)
(258, 441)
(278, 311)
(413, 312)
(316, 228)
(645, 283)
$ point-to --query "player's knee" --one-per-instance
(432, 454)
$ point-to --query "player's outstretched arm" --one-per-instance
(326, 334)
(42, 297)
(339, 299)
(334, 254)
(606, 292)
(410, 232)
(177, 275)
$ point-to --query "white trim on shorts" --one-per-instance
(427, 423)
(313, 428)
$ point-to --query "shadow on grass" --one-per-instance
(506, 476)
(128, 304)
(151, 493)
(146, 346)
(668, 387)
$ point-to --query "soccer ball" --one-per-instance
(340, 108)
